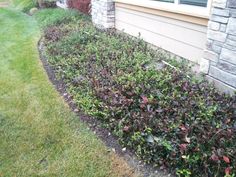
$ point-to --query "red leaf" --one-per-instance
(142, 106)
(145, 99)
(227, 171)
(226, 159)
(183, 147)
(185, 86)
(126, 129)
(214, 157)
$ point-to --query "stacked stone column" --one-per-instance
(103, 13)
(219, 62)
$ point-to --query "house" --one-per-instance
(201, 31)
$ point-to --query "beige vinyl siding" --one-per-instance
(179, 37)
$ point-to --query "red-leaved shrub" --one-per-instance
(81, 5)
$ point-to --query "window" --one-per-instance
(202, 3)
(166, 0)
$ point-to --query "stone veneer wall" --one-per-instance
(219, 62)
(103, 13)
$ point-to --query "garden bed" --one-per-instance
(168, 118)
(138, 167)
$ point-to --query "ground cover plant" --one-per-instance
(169, 118)
(39, 134)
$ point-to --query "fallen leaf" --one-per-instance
(150, 139)
(186, 139)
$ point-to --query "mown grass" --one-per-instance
(39, 135)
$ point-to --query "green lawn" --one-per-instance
(39, 135)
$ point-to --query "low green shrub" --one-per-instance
(50, 17)
(167, 118)
(46, 3)
(24, 5)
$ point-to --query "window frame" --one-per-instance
(207, 8)
(177, 2)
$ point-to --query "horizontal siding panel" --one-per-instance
(181, 38)
(184, 24)
(181, 49)
(163, 27)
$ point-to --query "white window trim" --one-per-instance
(176, 7)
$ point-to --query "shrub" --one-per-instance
(81, 5)
(46, 3)
(49, 17)
(166, 117)
(24, 5)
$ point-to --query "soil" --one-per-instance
(96, 126)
